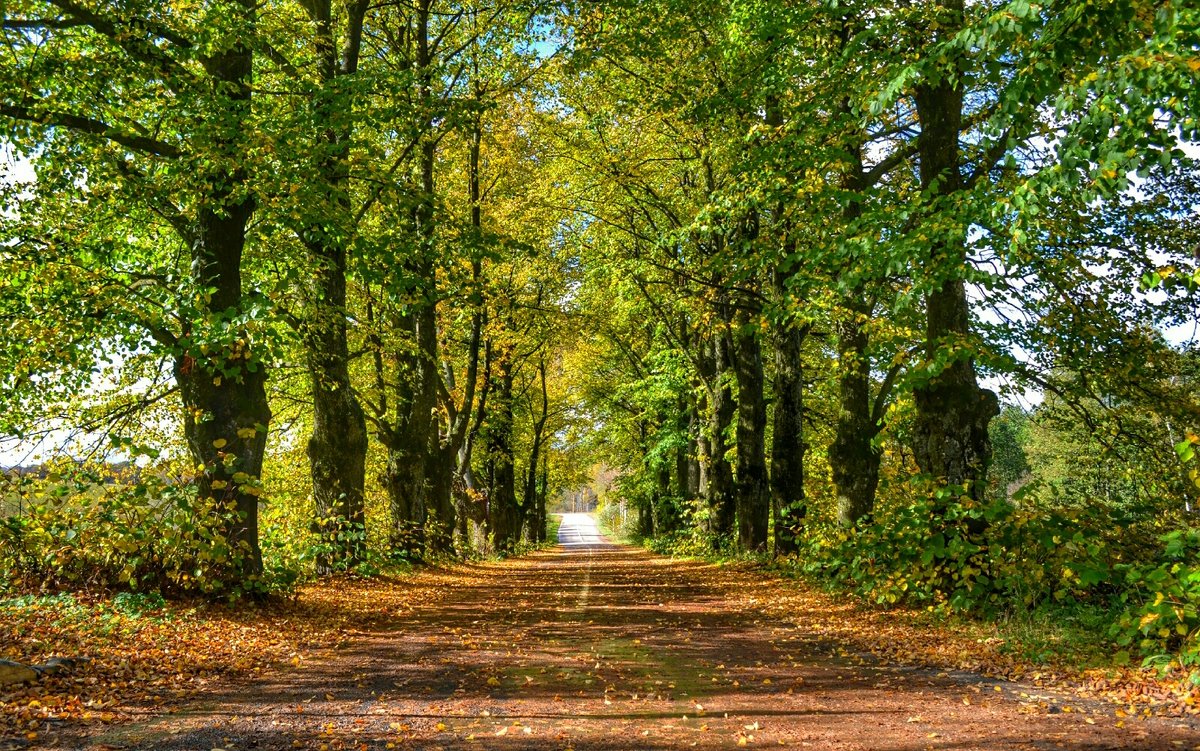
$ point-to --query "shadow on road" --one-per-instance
(593, 645)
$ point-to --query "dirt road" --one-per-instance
(597, 646)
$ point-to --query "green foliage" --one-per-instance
(1162, 599)
(137, 604)
(1010, 465)
(60, 601)
(617, 522)
(553, 522)
(965, 557)
(693, 539)
(1142, 589)
(149, 535)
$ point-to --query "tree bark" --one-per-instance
(665, 518)
(646, 529)
(439, 509)
(408, 445)
(543, 494)
(693, 488)
(537, 524)
(950, 432)
(853, 457)
(464, 423)
(717, 473)
(753, 498)
(415, 460)
(787, 438)
(471, 507)
(337, 448)
(225, 409)
(404, 481)
(504, 515)
(683, 455)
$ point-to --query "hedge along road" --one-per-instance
(592, 645)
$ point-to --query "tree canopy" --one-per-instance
(891, 290)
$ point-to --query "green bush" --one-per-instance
(948, 552)
(137, 604)
(80, 531)
(617, 523)
(692, 539)
(1162, 599)
(951, 552)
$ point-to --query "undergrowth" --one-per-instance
(1060, 583)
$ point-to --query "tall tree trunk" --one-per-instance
(683, 455)
(787, 438)
(537, 526)
(665, 518)
(414, 459)
(337, 448)
(471, 506)
(950, 432)
(439, 511)
(226, 415)
(504, 515)
(438, 506)
(646, 529)
(703, 423)
(404, 481)
(228, 443)
(442, 517)
(464, 423)
(543, 493)
(693, 488)
(477, 508)
(853, 457)
(408, 446)
(788, 503)
(718, 474)
(753, 498)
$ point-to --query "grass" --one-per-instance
(553, 522)
(1058, 635)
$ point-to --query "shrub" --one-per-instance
(149, 534)
(692, 539)
(1143, 585)
(951, 552)
(1162, 599)
(137, 604)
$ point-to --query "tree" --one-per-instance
(337, 448)
(139, 220)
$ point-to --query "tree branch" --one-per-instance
(90, 126)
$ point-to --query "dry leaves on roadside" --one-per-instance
(139, 662)
(909, 637)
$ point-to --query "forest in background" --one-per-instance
(349, 284)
